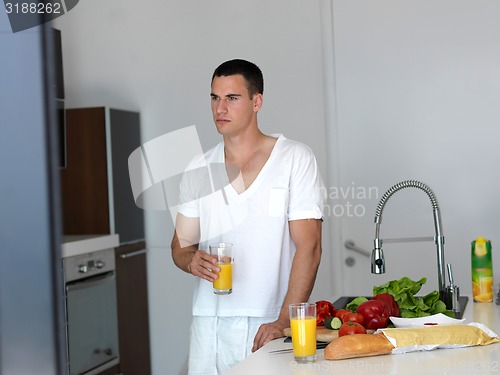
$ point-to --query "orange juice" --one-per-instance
(303, 336)
(224, 282)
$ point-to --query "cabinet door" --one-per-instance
(132, 300)
(124, 134)
(84, 181)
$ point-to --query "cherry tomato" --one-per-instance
(353, 317)
(351, 328)
(340, 313)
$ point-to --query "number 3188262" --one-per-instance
(33, 8)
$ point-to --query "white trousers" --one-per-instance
(219, 343)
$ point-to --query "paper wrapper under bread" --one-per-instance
(438, 337)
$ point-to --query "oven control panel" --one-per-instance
(87, 265)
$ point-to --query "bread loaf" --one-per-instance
(361, 345)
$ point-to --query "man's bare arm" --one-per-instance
(185, 252)
(306, 234)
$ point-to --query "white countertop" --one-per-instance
(82, 244)
(472, 360)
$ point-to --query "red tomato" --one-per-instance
(324, 309)
(340, 313)
(351, 328)
(353, 317)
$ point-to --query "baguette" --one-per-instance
(360, 345)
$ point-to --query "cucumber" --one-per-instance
(332, 322)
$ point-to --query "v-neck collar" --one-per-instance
(230, 190)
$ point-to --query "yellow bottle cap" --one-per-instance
(480, 249)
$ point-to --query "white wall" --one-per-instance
(157, 58)
(418, 97)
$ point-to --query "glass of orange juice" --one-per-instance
(303, 325)
(224, 253)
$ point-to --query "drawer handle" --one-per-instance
(133, 254)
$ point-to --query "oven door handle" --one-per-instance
(91, 281)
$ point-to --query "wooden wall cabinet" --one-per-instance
(96, 192)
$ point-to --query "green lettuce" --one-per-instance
(404, 292)
(353, 305)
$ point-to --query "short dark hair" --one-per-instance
(249, 71)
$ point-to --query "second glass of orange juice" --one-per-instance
(303, 325)
(224, 252)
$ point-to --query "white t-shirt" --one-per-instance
(289, 187)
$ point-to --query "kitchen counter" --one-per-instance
(82, 244)
(471, 360)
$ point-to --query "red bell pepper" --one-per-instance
(375, 313)
(389, 302)
(324, 309)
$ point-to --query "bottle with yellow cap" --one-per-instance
(482, 270)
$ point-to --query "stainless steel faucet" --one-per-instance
(378, 262)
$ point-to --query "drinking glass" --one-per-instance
(303, 325)
(224, 253)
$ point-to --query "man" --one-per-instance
(270, 208)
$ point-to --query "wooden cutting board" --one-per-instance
(322, 334)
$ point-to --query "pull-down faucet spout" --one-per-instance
(378, 262)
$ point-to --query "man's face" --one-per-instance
(232, 108)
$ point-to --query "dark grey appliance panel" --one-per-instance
(125, 138)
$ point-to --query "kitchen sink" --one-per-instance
(342, 302)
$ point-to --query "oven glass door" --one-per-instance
(92, 322)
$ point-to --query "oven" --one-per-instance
(91, 312)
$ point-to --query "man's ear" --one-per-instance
(257, 102)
